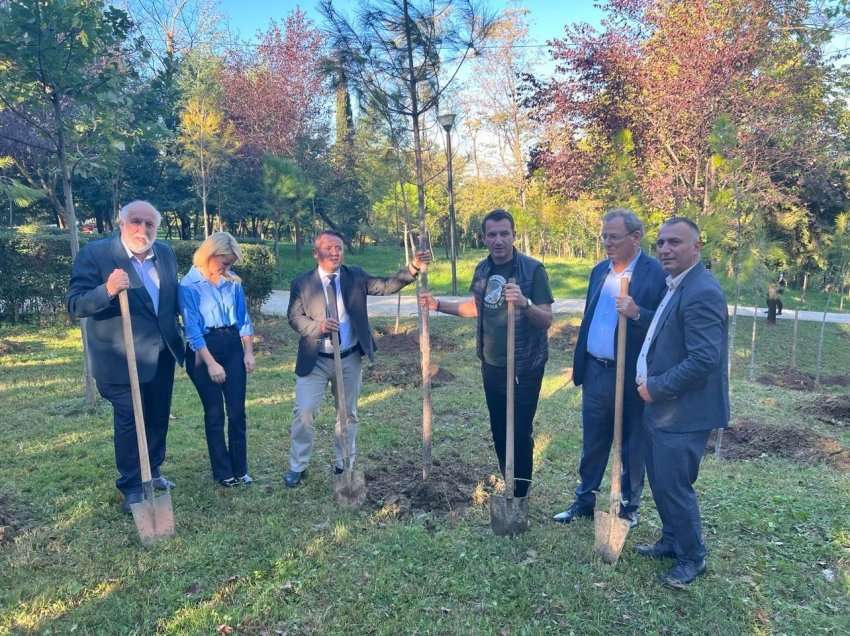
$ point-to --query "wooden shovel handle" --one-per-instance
(617, 445)
(509, 400)
(135, 389)
(341, 410)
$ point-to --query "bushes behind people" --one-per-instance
(36, 267)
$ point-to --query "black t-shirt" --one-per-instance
(494, 336)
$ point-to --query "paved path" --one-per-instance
(386, 306)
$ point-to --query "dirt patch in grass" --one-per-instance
(407, 340)
(9, 347)
(13, 518)
(407, 373)
(789, 378)
(563, 337)
(833, 409)
(271, 341)
(452, 487)
(748, 439)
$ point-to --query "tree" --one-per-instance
(205, 138)
(291, 194)
(62, 70)
(396, 55)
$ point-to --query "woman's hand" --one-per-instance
(216, 372)
(249, 361)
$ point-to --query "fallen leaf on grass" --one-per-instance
(224, 629)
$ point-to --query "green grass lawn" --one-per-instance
(568, 277)
(267, 560)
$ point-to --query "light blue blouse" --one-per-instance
(206, 306)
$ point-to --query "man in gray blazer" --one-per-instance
(332, 297)
(134, 260)
(682, 378)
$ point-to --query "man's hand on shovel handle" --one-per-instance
(117, 281)
(329, 325)
(627, 307)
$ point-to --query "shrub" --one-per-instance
(36, 269)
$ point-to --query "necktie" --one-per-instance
(333, 312)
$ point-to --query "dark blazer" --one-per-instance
(307, 308)
(687, 360)
(647, 288)
(88, 298)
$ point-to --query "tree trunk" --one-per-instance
(424, 331)
(752, 373)
(797, 322)
(71, 218)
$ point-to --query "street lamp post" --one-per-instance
(447, 120)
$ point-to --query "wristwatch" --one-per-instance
(528, 303)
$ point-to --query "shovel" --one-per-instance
(610, 529)
(350, 485)
(509, 514)
(153, 515)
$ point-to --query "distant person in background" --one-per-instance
(220, 352)
(134, 261)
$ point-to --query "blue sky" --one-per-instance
(548, 17)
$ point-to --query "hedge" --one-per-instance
(36, 268)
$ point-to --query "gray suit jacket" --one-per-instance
(88, 298)
(687, 360)
(307, 308)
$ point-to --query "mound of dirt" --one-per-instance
(832, 409)
(8, 347)
(452, 487)
(789, 378)
(407, 341)
(266, 340)
(12, 519)
(407, 373)
(563, 337)
(747, 439)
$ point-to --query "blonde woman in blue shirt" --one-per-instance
(220, 352)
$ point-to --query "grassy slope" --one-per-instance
(266, 558)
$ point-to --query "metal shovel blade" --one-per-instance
(508, 515)
(610, 535)
(154, 518)
(350, 488)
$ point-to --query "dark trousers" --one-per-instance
(228, 459)
(597, 420)
(156, 407)
(526, 394)
(672, 463)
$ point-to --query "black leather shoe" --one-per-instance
(129, 499)
(632, 516)
(337, 470)
(292, 478)
(682, 574)
(573, 512)
(163, 483)
(230, 482)
(656, 550)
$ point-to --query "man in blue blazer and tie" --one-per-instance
(594, 367)
(134, 260)
(682, 377)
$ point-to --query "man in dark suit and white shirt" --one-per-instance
(594, 366)
(332, 297)
(134, 260)
(682, 377)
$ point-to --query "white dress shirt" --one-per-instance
(347, 339)
(672, 286)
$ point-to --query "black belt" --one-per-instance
(605, 362)
(342, 354)
(222, 330)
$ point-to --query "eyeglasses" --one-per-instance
(614, 238)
